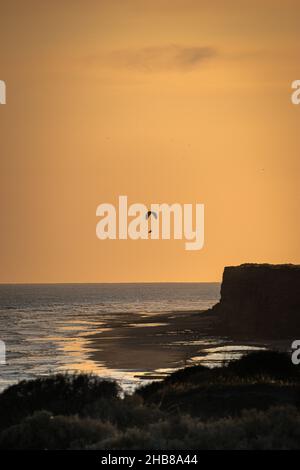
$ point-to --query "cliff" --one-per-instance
(261, 300)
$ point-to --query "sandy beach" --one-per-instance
(153, 346)
(151, 343)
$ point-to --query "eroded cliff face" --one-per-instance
(261, 300)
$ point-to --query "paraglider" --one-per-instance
(149, 214)
(132, 222)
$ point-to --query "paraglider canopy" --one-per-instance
(149, 213)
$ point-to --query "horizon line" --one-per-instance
(106, 282)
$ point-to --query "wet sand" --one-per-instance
(149, 343)
(154, 345)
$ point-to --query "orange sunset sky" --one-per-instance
(164, 101)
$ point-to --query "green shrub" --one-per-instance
(44, 431)
(272, 364)
(277, 428)
(129, 412)
(60, 394)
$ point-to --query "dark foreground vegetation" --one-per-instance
(252, 403)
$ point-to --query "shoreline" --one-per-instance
(153, 345)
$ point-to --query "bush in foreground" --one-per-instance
(253, 403)
(277, 428)
(63, 394)
(44, 431)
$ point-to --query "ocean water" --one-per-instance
(52, 328)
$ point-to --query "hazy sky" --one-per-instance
(164, 101)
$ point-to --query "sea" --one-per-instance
(50, 328)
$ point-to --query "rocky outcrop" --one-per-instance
(261, 300)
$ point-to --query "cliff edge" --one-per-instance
(261, 300)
